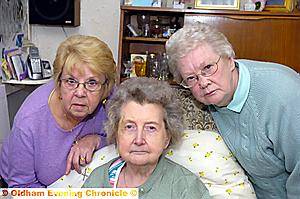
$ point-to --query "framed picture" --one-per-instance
(218, 4)
(280, 5)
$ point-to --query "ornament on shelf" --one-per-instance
(259, 4)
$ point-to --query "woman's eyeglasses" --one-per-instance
(90, 85)
(191, 80)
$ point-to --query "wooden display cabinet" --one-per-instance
(129, 44)
(265, 36)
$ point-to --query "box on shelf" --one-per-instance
(12, 65)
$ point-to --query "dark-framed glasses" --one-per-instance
(90, 85)
(208, 70)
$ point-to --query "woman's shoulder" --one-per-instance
(99, 176)
(36, 104)
(183, 179)
(103, 168)
(41, 93)
(38, 98)
(272, 79)
(268, 71)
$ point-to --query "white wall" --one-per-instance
(4, 122)
(98, 18)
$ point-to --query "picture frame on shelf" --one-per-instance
(280, 5)
(218, 4)
(139, 62)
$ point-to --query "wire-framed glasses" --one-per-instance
(208, 70)
(90, 85)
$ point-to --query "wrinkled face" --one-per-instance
(217, 89)
(79, 102)
(141, 136)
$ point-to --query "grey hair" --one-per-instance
(189, 38)
(145, 90)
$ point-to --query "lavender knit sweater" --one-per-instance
(35, 153)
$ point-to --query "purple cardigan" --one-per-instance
(35, 153)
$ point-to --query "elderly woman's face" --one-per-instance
(141, 136)
(217, 89)
(79, 102)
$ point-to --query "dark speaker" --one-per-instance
(54, 12)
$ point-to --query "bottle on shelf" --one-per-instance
(153, 66)
(146, 30)
(147, 63)
(155, 70)
(164, 68)
(143, 21)
(150, 60)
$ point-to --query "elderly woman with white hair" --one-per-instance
(254, 104)
(144, 119)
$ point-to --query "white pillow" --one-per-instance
(205, 154)
(202, 152)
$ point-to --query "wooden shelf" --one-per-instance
(146, 39)
(26, 81)
(171, 82)
(209, 11)
(154, 9)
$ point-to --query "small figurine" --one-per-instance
(259, 4)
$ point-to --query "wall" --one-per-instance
(98, 18)
(4, 122)
(13, 19)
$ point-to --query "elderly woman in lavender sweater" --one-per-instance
(60, 124)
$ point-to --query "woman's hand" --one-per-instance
(81, 152)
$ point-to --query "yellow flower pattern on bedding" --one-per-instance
(202, 152)
(205, 154)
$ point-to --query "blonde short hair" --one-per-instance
(86, 49)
